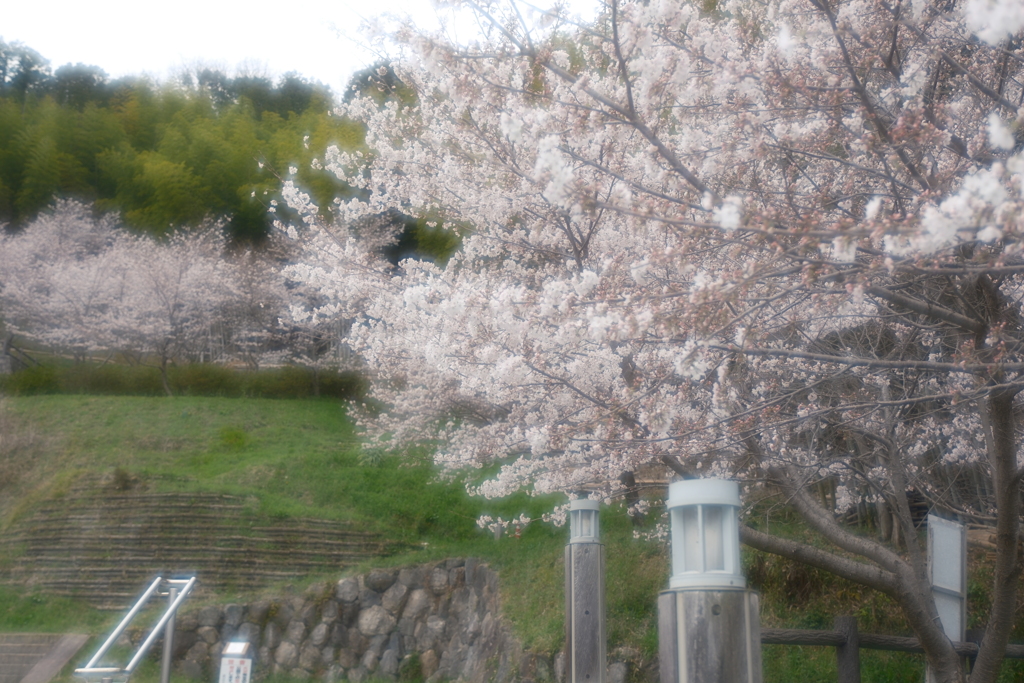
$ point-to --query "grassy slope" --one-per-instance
(292, 458)
(300, 458)
(295, 458)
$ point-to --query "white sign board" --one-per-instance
(234, 667)
(947, 545)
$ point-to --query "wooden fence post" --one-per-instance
(848, 654)
(973, 635)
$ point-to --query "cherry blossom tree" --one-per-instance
(82, 284)
(252, 329)
(59, 275)
(777, 242)
(171, 296)
(323, 301)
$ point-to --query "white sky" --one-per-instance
(316, 38)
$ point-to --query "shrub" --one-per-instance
(193, 379)
(41, 379)
(110, 379)
(204, 379)
(348, 385)
(287, 382)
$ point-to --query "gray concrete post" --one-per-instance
(709, 636)
(585, 637)
(165, 668)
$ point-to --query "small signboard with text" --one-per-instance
(236, 663)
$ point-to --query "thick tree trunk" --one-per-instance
(997, 419)
(901, 585)
(915, 599)
(915, 583)
(905, 581)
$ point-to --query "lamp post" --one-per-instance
(708, 622)
(584, 595)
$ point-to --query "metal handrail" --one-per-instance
(90, 671)
(160, 625)
(124, 623)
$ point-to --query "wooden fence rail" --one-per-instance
(848, 643)
(12, 358)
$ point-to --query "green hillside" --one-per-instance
(300, 459)
(290, 459)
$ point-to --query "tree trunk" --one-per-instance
(895, 531)
(909, 584)
(884, 521)
(997, 420)
(163, 377)
(915, 583)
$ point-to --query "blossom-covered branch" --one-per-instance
(776, 242)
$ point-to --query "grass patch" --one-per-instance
(302, 458)
(39, 613)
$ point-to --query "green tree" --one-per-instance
(22, 71)
(168, 156)
(79, 85)
(49, 151)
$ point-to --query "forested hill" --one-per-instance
(162, 155)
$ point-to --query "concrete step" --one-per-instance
(227, 545)
(59, 655)
(100, 543)
(67, 527)
(89, 492)
(93, 589)
(117, 557)
(19, 652)
(56, 520)
(7, 639)
(159, 537)
(126, 505)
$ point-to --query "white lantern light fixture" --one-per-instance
(705, 534)
(584, 521)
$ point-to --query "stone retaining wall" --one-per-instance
(438, 621)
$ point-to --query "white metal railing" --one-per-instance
(175, 590)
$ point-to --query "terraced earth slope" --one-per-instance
(104, 547)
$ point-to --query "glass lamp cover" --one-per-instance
(584, 521)
(705, 534)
